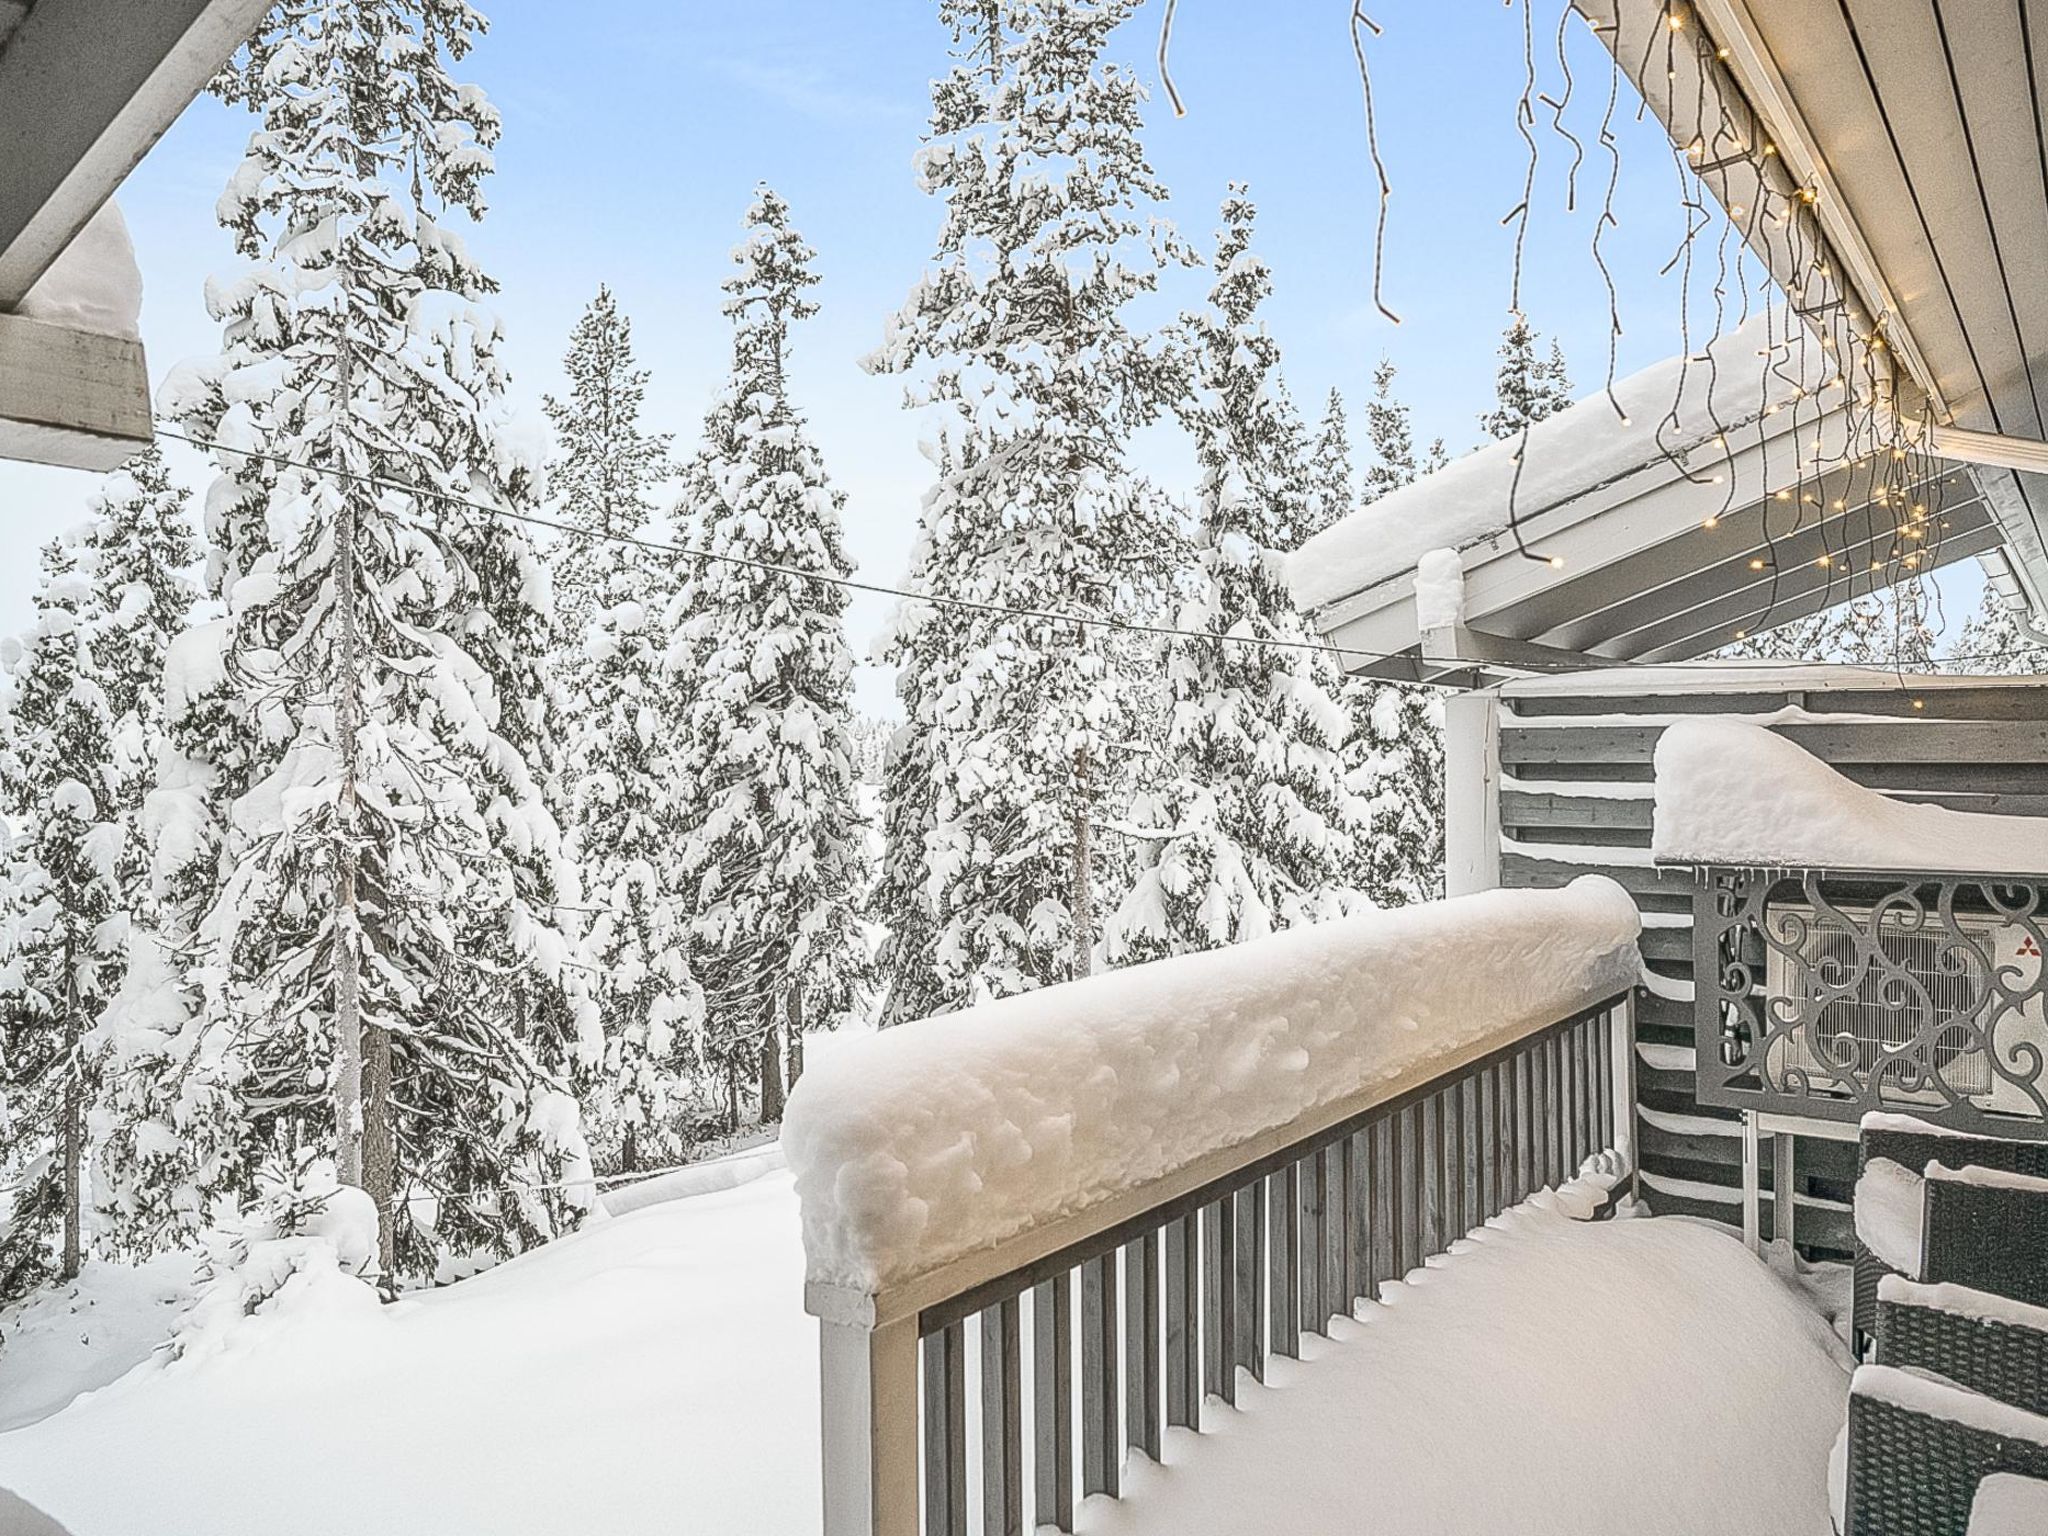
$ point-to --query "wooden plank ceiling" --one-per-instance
(1927, 115)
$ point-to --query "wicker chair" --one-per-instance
(1982, 1343)
(1914, 1144)
(1919, 1448)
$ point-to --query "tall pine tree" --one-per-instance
(372, 962)
(773, 853)
(607, 467)
(1527, 388)
(1018, 334)
(66, 931)
(1394, 755)
(1992, 643)
(1250, 831)
(1331, 469)
(613, 599)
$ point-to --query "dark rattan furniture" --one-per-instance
(1968, 1230)
(1914, 1470)
(1966, 1337)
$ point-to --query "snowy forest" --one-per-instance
(418, 826)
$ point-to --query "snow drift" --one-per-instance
(938, 1138)
(1729, 792)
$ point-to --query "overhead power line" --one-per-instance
(880, 589)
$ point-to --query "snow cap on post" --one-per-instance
(943, 1137)
(1439, 590)
(1730, 792)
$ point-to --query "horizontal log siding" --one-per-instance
(1974, 748)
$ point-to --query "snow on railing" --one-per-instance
(1235, 1146)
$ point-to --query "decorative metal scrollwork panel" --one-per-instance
(1831, 994)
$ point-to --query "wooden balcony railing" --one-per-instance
(1174, 1287)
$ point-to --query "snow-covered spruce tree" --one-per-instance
(632, 803)
(1248, 832)
(1526, 388)
(1992, 644)
(1018, 334)
(137, 552)
(1331, 467)
(1395, 751)
(772, 854)
(1391, 437)
(1885, 629)
(66, 930)
(901, 902)
(607, 466)
(381, 904)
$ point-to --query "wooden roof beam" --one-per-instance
(86, 87)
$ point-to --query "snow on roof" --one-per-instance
(1581, 447)
(932, 1140)
(1729, 792)
(94, 285)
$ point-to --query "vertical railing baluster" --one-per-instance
(1357, 1217)
(1430, 1164)
(1219, 1300)
(1183, 1321)
(1501, 1120)
(1489, 1146)
(1101, 1446)
(1250, 1203)
(1408, 1184)
(1588, 1110)
(1456, 1223)
(1052, 1401)
(1337, 1283)
(1539, 1113)
(1604, 1076)
(1002, 1421)
(1471, 1139)
(1283, 1196)
(1525, 1126)
(945, 1431)
(1313, 1194)
(1569, 1119)
(1558, 1108)
(1141, 1343)
(1379, 1180)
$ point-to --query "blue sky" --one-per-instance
(636, 129)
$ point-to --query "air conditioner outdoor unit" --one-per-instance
(1880, 1012)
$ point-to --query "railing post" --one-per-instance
(867, 1380)
(1622, 1080)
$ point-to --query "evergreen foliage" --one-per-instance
(1526, 388)
(1992, 644)
(607, 466)
(1018, 335)
(773, 855)
(1330, 469)
(366, 862)
(1395, 753)
(65, 934)
(1248, 833)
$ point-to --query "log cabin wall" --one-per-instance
(1575, 797)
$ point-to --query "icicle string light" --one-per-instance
(1360, 25)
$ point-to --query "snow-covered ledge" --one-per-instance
(1731, 792)
(74, 386)
(945, 1159)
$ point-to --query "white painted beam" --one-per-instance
(1989, 448)
(1471, 792)
(76, 399)
(86, 87)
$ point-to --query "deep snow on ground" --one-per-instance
(653, 1373)
(656, 1373)
(1546, 1378)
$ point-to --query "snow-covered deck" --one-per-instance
(656, 1373)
